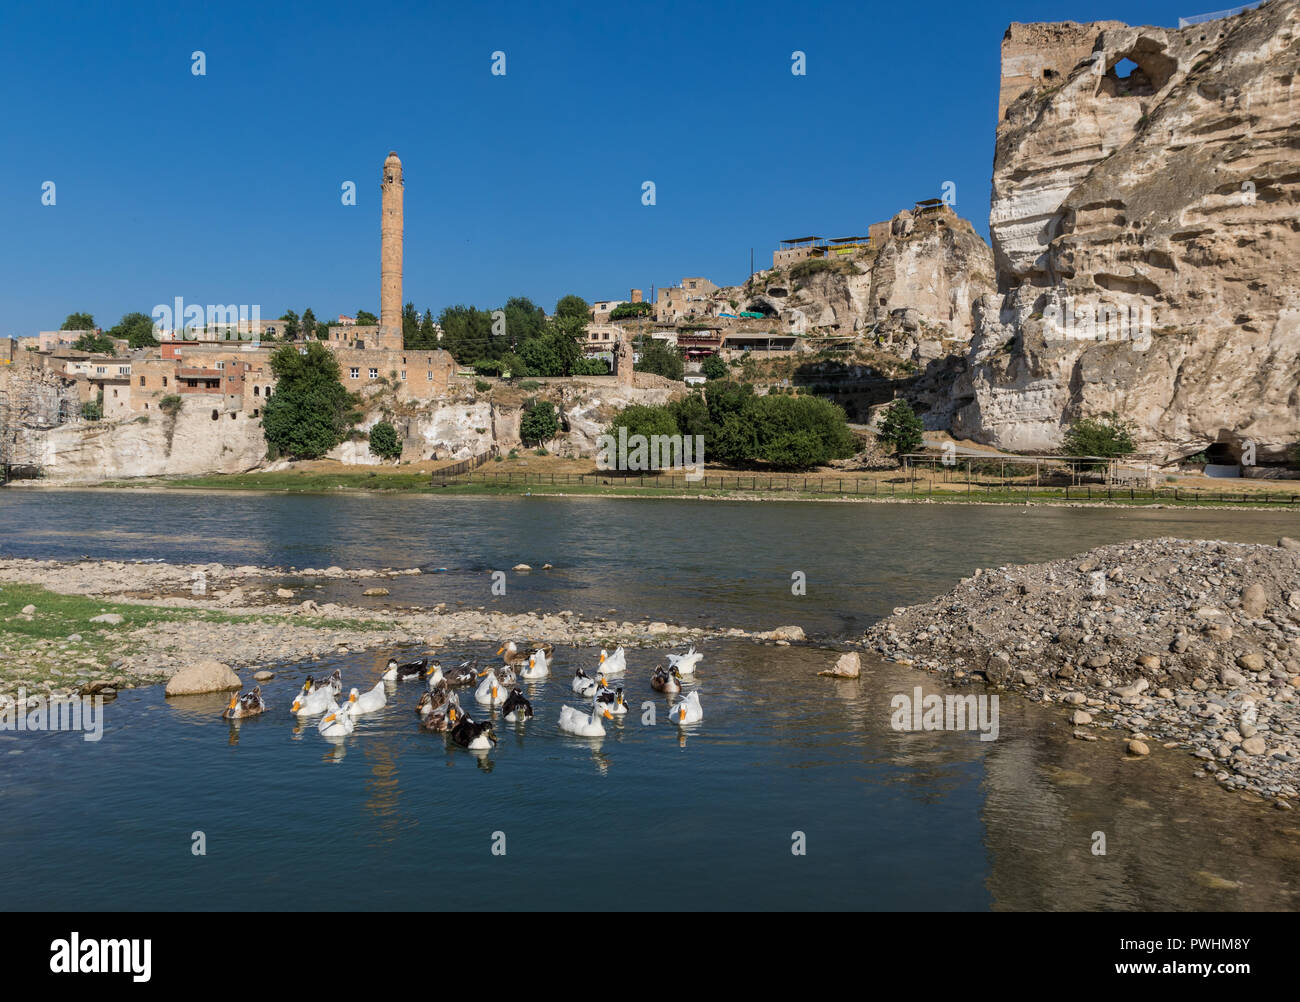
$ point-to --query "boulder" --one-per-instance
(848, 666)
(111, 618)
(200, 677)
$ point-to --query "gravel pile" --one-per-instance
(1195, 644)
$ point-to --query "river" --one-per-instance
(650, 816)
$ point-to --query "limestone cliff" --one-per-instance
(912, 292)
(1146, 237)
(191, 442)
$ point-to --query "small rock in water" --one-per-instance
(1136, 747)
(848, 666)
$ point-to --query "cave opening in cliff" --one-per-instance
(1124, 68)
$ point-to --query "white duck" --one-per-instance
(368, 702)
(311, 701)
(434, 674)
(337, 723)
(685, 663)
(687, 710)
(490, 691)
(584, 685)
(613, 663)
(585, 725)
(537, 667)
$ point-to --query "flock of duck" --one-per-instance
(440, 710)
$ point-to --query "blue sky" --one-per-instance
(225, 188)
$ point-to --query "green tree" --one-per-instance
(467, 334)
(525, 320)
(643, 419)
(1107, 436)
(308, 326)
(291, 327)
(310, 411)
(900, 428)
(98, 344)
(78, 322)
(573, 308)
(715, 367)
(661, 358)
(557, 350)
(366, 319)
(428, 335)
(410, 326)
(539, 423)
(136, 329)
(384, 442)
(691, 415)
(93, 410)
(799, 432)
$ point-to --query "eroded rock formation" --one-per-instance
(1166, 195)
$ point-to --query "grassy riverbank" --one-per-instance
(887, 486)
(58, 643)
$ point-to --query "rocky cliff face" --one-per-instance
(913, 293)
(189, 443)
(1146, 237)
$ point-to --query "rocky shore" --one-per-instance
(144, 623)
(1191, 644)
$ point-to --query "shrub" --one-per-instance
(626, 310)
(1106, 436)
(384, 442)
(714, 368)
(482, 385)
(171, 404)
(661, 359)
(539, 423)
(901, 428)
(92, 410)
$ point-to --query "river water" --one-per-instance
(649, 816)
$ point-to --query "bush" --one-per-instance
(625, 310)
(539, 423)
(92, 410)
(714, 368)
(384, 442)
(661, 359)
(171, 404)
(901, 428)
(482, 385)
(1106, 436)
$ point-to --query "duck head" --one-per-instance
(352, 696)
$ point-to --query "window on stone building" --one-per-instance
(215, 415)
(142, 380)
(221, 365)
(431, 375)
(403, 375)
(164, 380)
(257, 391)
(354, 373)
(374, 373)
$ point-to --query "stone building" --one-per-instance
(689, 299)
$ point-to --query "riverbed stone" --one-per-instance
(200, 677)
(847, 666)
(109, 618)
(1136, 747)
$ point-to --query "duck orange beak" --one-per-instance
(602, 657)
(451, 714)
(330, 719)
(500, 649)
(233, 701)
(297, 704)
(607, 715)
(494, 692)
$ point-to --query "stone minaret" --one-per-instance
(390, 257)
